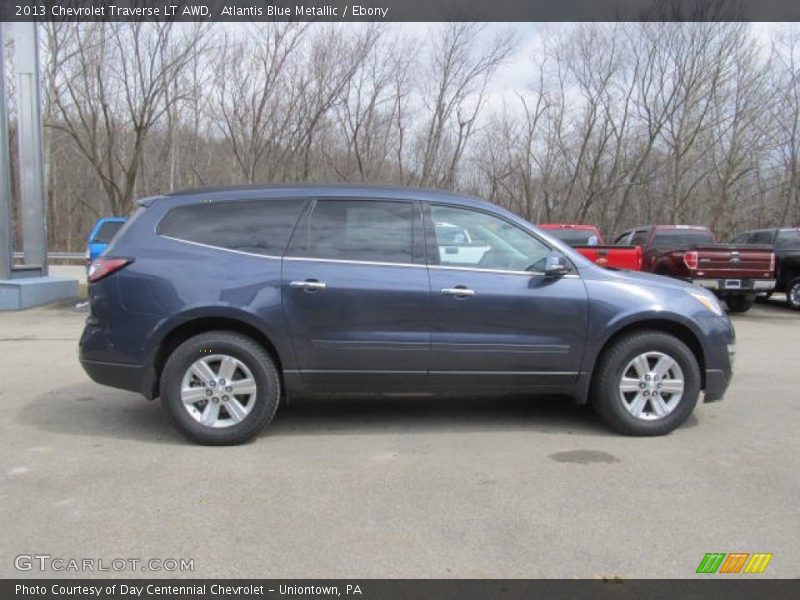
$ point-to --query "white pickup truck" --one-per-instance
(456, 245)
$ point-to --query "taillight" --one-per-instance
(690, 260)
(772, 262)
(103, 267)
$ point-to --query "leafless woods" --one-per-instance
(617, 123)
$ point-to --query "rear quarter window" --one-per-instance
(255, 226)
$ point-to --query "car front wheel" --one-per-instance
(647, 383)
(220, 388)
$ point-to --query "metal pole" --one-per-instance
(5, 173)
(31, 163)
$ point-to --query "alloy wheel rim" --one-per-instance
(794, 295)
(651, 386)
(218, 391)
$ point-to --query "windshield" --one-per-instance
(575, 237)
(682, 237)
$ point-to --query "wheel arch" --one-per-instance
(174, 336)
(680, 330)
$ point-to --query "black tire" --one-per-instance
(740, 303)
(605, 393)
(793, 292)
(240, 347)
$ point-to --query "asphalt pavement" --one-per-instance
(425, 487)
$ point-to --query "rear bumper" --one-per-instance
(135, 378)
(728, 285)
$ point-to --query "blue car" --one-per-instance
(226, 302)
(100, 237)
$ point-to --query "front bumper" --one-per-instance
(717, 382)
(719, 347)
(736, 285)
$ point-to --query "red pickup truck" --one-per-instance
(735, 273)
(588, 240)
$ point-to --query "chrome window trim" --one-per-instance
(342, 261)
(418, 266)
(479, 270)
(191, 243)
(360, 262)
(500, 271)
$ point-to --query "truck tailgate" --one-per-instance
(732, 261)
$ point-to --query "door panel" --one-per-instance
(514, 328)
(500, 321)
(357, 305)
(367, 321)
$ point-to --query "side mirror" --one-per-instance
(556, 265)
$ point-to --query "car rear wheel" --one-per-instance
(793, 293)
(647, 383)
(740, 303)
(220, 388)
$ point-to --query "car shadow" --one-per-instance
(425, 414)
(87, 409)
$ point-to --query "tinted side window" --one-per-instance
(789, 239)
(624, 239)
(358, 230)
(257, 226)
(107, 232)
(761, 237)
(742, 238)
(639, 238)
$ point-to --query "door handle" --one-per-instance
(458, 291)
(308, 284)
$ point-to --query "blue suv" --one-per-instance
(225, 302)
(100, 237)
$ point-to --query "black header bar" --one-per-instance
(400, 10)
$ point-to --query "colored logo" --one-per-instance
(734, 562)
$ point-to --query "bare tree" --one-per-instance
(454, 93)
(785, 114)
(113, 89)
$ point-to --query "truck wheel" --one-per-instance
(220, 388)
(646, 384)
(793, 293)
(740, 303)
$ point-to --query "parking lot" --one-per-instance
(511, 487)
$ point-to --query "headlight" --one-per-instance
(709, 301)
